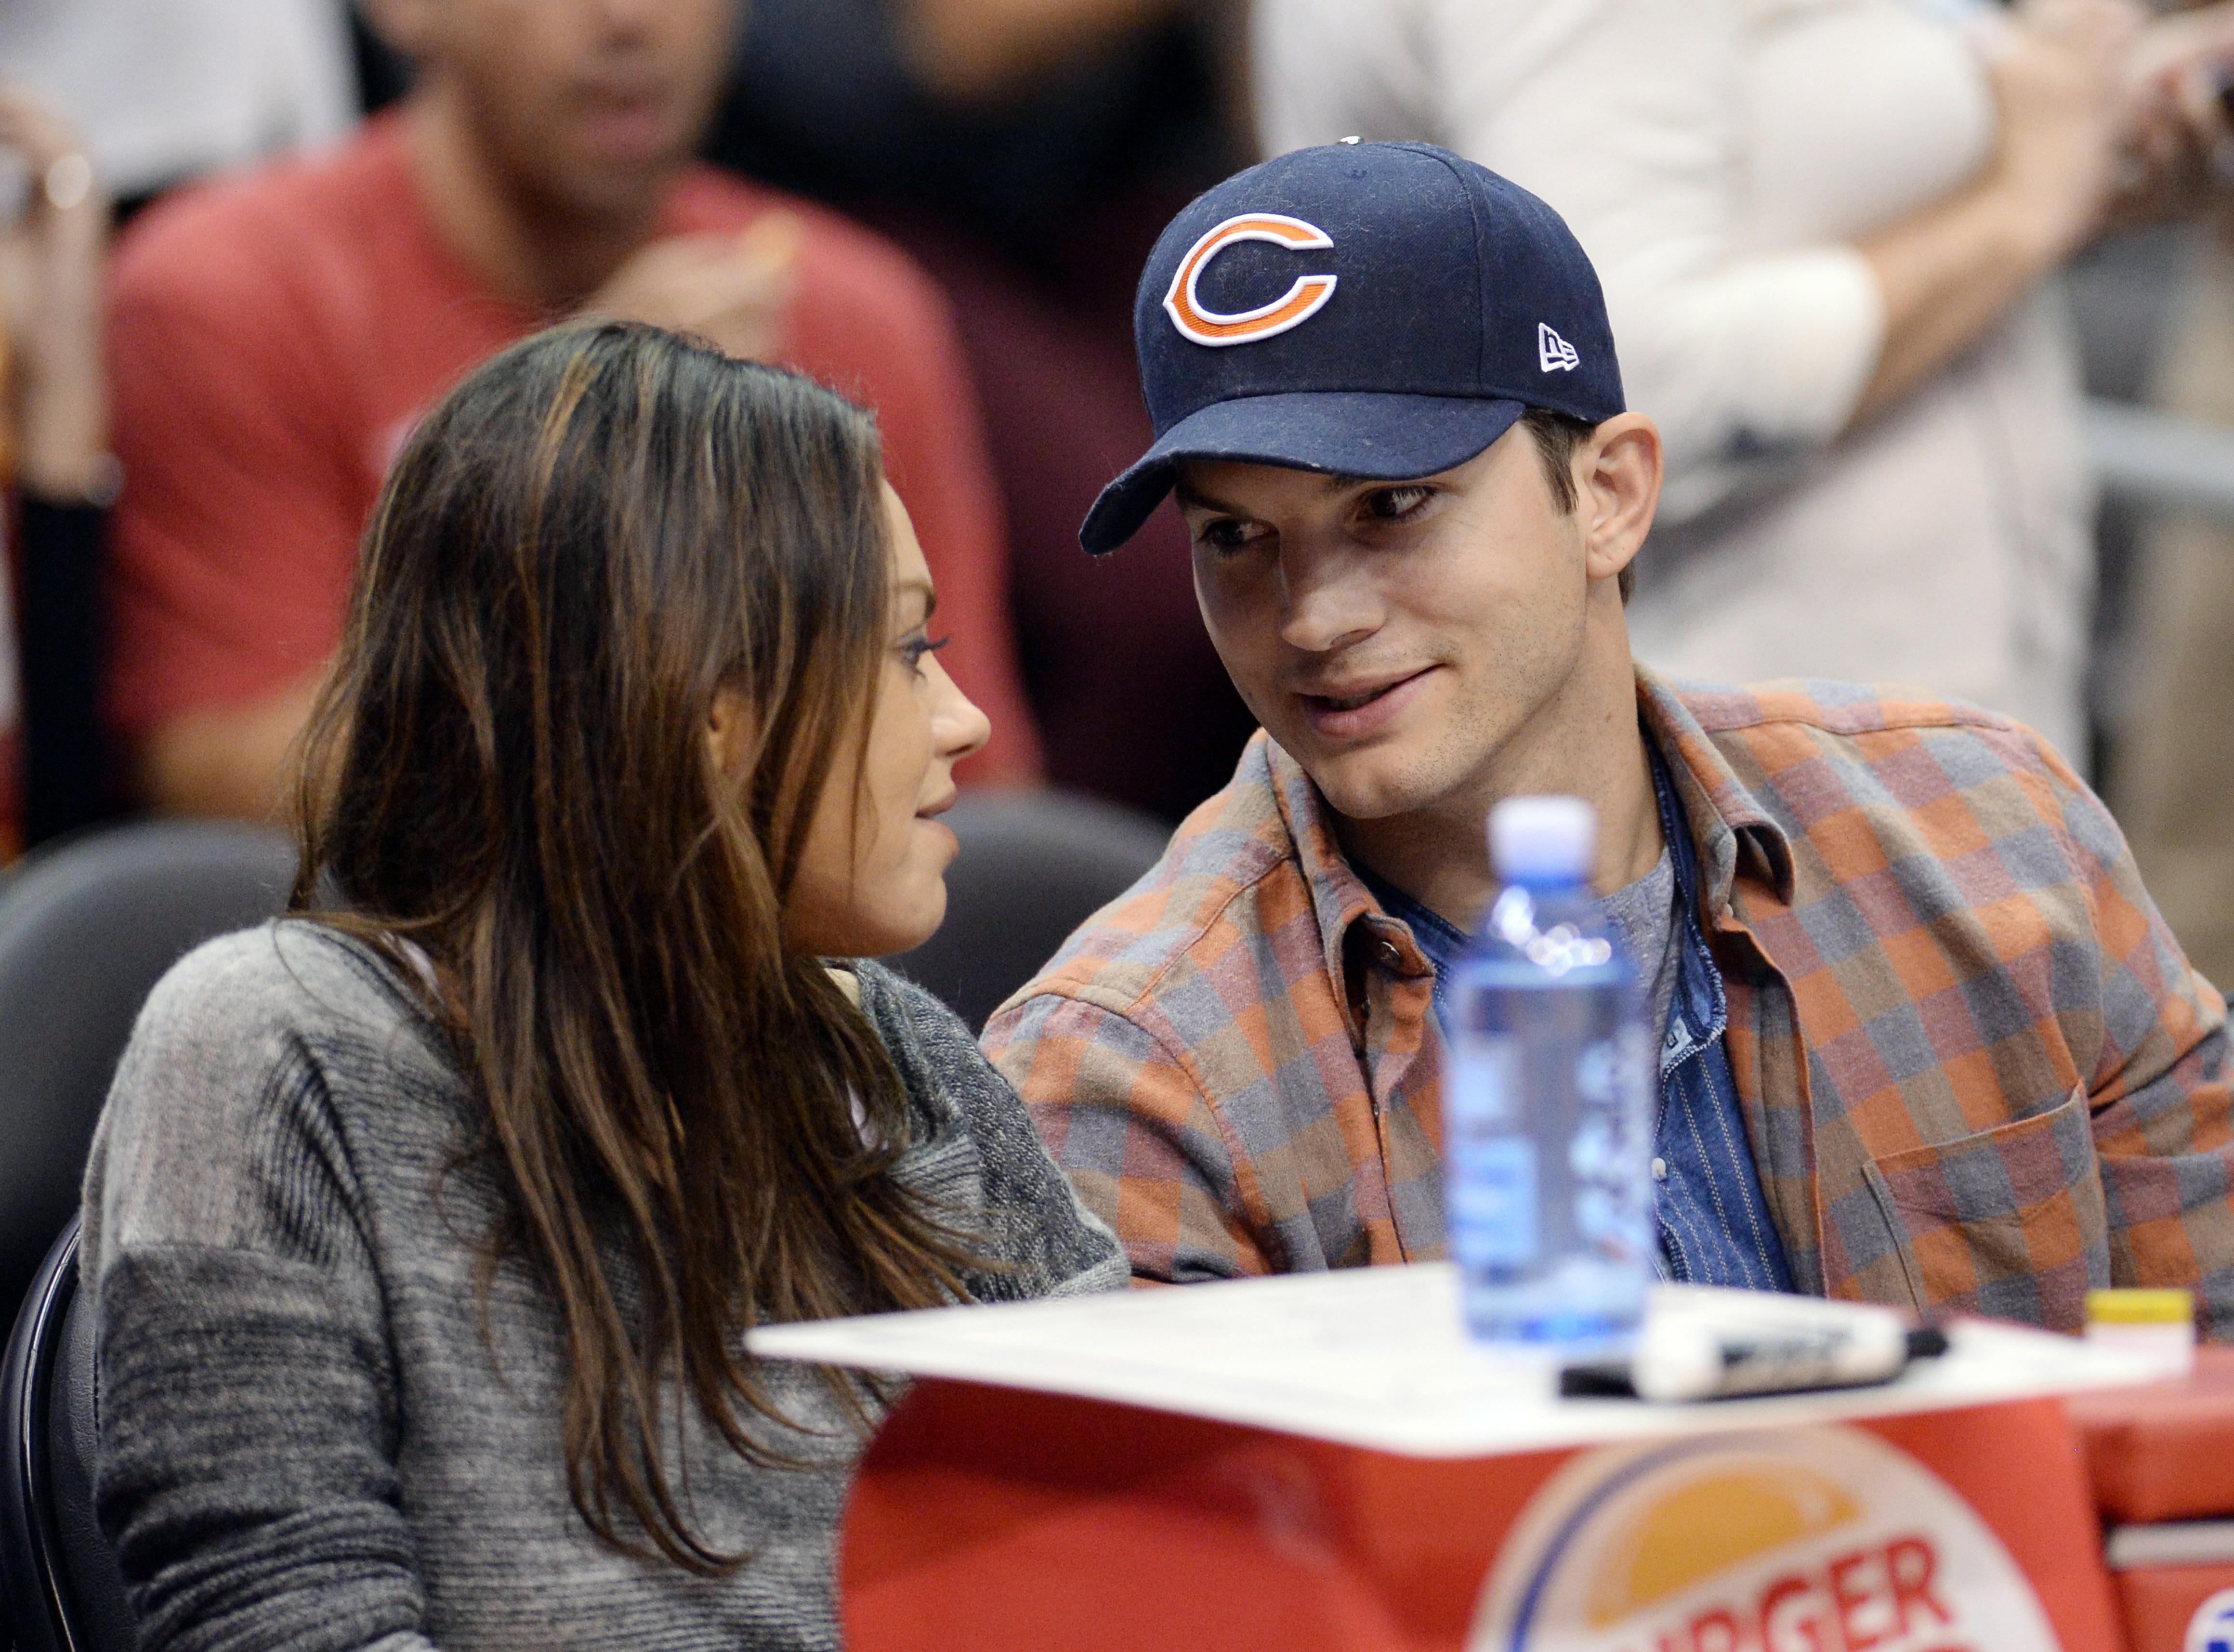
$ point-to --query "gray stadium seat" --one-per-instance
(87, 926)
(65, 1592)
(1034, 866)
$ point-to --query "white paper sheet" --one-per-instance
(1376, 1357)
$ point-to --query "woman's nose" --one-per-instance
(957, 724)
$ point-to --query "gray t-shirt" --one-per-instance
(1642, 918)
(311, 1435)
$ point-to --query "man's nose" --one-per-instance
(631, 18)
(1326, 601)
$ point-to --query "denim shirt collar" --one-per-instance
(1699, 1013)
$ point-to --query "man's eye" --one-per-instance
(1227, 535)
(1395, 504)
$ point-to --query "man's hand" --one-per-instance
(733, 291)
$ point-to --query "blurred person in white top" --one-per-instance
(1823, 227)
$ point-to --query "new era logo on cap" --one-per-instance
(1374, 310)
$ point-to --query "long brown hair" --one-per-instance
(509, 767)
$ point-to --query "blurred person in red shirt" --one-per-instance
(273, 339)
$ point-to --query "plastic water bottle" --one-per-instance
(1548, 1105)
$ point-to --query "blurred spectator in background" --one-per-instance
(2173, 781)
(150, 94)
(1823, 227)
(165, 90)
(1028, 151)
(58, 468)
(274, 338)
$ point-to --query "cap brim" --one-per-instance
(1378, 435)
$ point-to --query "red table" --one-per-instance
(1311, 1464)
(2162, 1461)
(989, 1518)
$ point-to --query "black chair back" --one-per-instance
(64, 1593)
(87, 926)
(1034, 866)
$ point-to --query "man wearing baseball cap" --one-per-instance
(1925, 1038)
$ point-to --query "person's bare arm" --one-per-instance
(50, 266)
(236, 762)
(1948, 276)
(1951, 272)
(972, 50)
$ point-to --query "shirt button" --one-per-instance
(1659, 1170)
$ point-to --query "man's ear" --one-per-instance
(405, 26)
(1617, 475)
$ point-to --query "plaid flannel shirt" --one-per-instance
(1976, 1069)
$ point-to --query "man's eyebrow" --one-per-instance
(1333, 481)
(1339, 481)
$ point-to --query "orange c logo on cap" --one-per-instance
(1293, 307)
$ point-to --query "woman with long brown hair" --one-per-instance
(425, 1224)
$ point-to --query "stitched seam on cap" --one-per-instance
(1481, 260)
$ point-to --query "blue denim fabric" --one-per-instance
(1714, 1226)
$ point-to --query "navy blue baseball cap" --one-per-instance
(1374, 310)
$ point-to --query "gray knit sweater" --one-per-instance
(303, 1441)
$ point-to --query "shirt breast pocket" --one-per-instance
(2008, 1222)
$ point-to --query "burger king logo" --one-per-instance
(1298, 305)
(1804, 1540)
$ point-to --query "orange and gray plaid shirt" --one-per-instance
(1976, 1069)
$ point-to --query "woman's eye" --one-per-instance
(914, 649)
(1395, 504)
